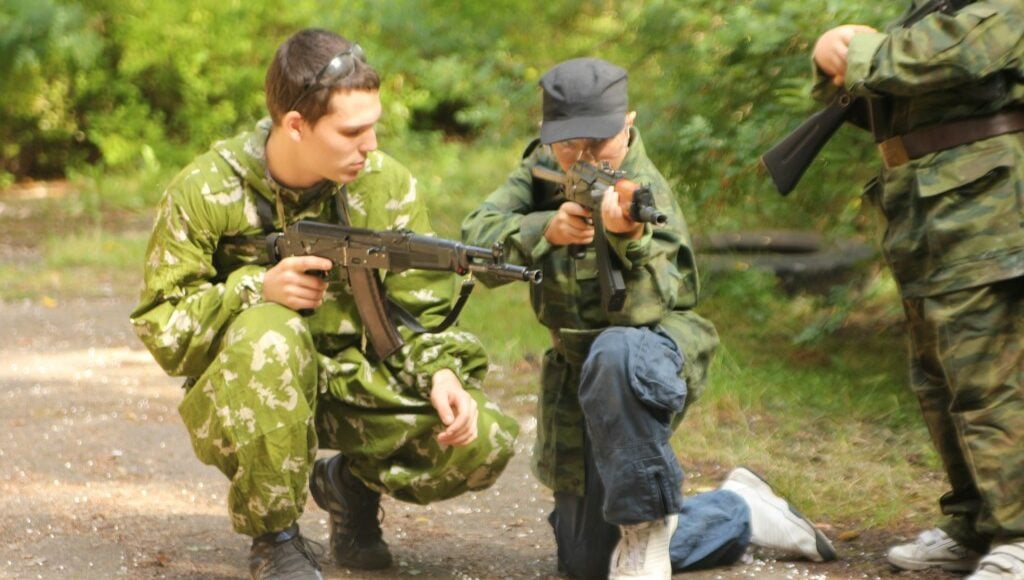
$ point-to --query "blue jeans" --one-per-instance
(630, 391)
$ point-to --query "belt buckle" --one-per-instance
(894, 152)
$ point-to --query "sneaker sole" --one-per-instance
(823, 545)
(915, 565)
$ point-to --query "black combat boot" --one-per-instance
(284, 556)
(356, 537)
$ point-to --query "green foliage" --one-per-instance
(125, 84)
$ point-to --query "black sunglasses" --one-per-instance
(339, 67)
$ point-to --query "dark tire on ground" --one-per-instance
(802, 261)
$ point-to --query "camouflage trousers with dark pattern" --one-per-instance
(266, 404)
(967, 370)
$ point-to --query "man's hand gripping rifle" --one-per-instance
(357, 254)
(586, 184)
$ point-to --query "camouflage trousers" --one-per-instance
(967, 369)
(269, 400)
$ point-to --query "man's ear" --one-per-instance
(293, 125)
(630, 119)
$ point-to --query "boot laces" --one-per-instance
(304, 550)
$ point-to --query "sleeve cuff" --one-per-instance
(459, 351)
(531, 233)
(863, 47)
(245, 286)
(631, 252)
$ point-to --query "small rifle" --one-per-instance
(358, 254)
(788, 159)
(585, 184)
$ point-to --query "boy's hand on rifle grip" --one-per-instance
(294, 282)
(831, 48)
(571, 225)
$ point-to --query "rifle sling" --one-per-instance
(406, 318)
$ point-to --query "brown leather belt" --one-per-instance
(920, 142)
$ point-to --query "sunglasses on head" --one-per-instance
(340, 66)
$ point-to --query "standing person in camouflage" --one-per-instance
(267, 387)
(946, 99)
(615, 385)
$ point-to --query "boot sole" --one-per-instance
(744, 476)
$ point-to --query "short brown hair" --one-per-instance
(297, 61)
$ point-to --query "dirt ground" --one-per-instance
(97, 478)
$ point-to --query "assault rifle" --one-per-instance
(585, 184)
(358, 253)
(788, 159)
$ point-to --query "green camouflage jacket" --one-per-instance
(659, 272)
(954, 217)
(196, 282)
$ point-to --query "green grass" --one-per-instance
(831, 423)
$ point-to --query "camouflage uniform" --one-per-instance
(955, 243)
(267, 386)
(661, 289)
(582, 426)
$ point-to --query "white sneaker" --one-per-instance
(933, 549)
(774, 523)
(642, 551)
(1004, 562)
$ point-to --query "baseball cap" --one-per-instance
(583, 98)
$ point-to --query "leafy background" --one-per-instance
(127, 85)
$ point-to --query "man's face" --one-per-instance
(611, 150)
(336, 147)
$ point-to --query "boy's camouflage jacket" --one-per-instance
(659, 272)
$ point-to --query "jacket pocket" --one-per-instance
(972, 205)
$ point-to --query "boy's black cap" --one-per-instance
(584, 98)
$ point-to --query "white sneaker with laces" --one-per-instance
(774, 523)
(1004, 562)
(642, 551)
(933, 549)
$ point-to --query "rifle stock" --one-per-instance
(788, 159)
